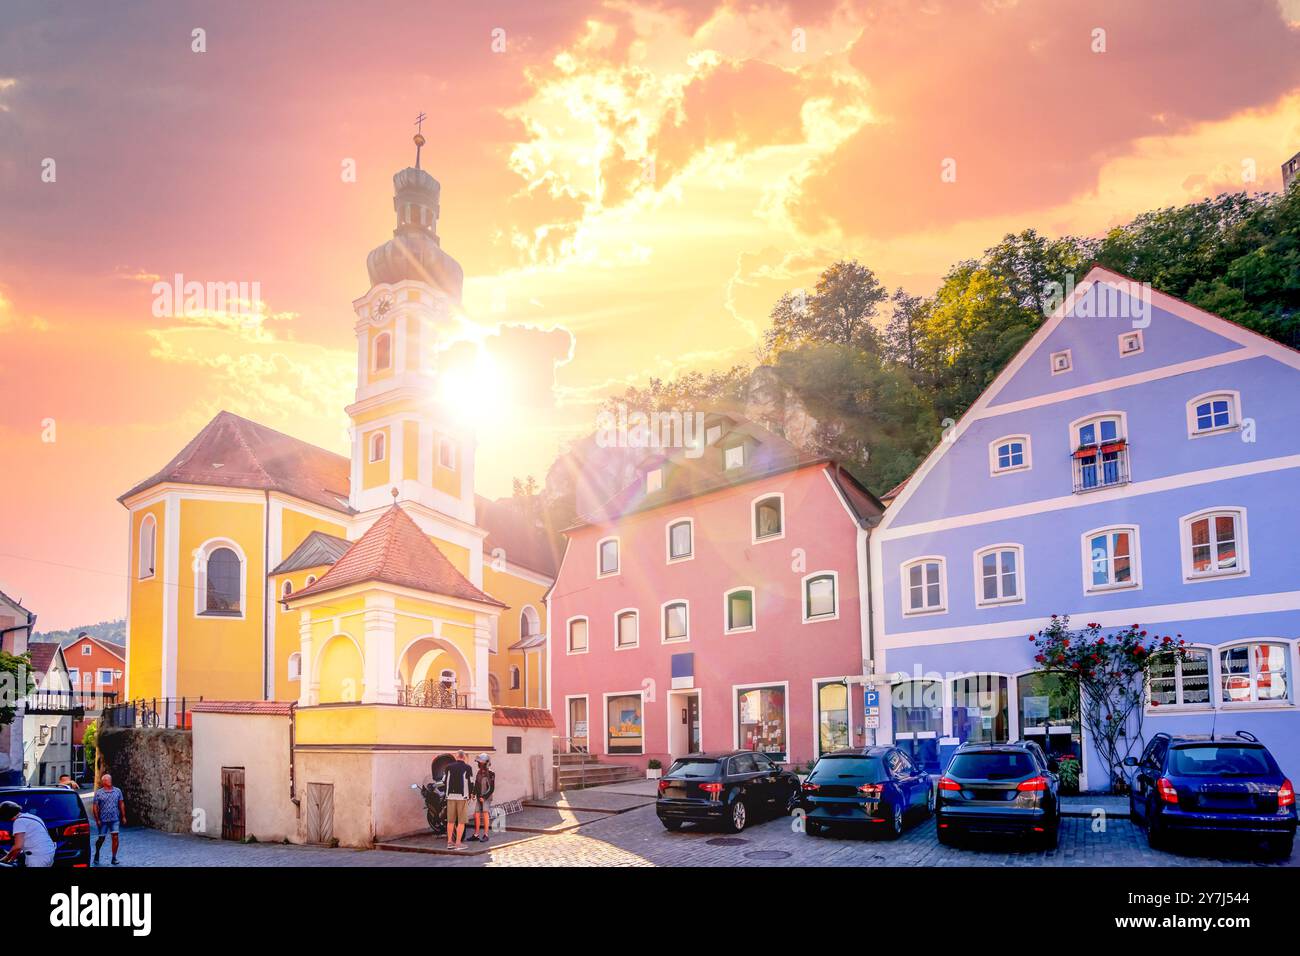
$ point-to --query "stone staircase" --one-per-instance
(574, 771)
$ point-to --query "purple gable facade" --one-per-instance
(1137, 469)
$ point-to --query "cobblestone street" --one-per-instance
(636, 838)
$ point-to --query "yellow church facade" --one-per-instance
(375, 590)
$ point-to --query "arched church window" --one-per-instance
(494, 689)
(383, 351)
(223, 582)
(148, 546)
(377, 446)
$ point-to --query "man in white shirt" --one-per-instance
(31, 840)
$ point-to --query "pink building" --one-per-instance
(717, 602)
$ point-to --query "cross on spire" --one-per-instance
(419, 136)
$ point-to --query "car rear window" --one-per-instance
(992, 766)
(49, 806)
(693, 769)
(1219, 760)
(838, 769)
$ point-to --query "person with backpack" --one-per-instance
(485, 784)
(459, 779)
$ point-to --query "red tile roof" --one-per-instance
(42, 653)
(396, 551)
(273, 707)
(521, 717)
(232, 452)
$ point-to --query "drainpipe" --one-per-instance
(293, 776)
(268, 674)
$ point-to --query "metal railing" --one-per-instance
(578, 754)
(171, 713)
(1100, 466)
(432, 693)
(53, 702)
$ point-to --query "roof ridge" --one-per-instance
(243, 441)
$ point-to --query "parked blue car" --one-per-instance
(1207, 784)
(63, 814)
(866, 788)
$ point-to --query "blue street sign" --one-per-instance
(871, 698)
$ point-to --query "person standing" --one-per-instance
(460, 783)
(109, 808)
(485, 784)
(32, 845)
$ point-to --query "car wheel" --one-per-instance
(738, 816)
(896, 822)
(1155, 832)
(672, 825)
(929, 802)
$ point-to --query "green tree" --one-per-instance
(841, 310)
(15, 683)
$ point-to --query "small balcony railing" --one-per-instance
(432, 693)
(1100, 466)
(164, 713)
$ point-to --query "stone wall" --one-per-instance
(153, 769)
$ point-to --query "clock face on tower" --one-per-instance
(383, 305)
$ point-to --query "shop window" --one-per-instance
(624, 722)
(761, 721)
(979, 709)
(832, 716)
(1049, 714)
(917, 711)
(1253, 673)
(1175, 682)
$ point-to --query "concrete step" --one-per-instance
(595, 775)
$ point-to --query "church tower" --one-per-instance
(403, 435)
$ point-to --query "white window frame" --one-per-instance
(668, 540)
(1069, 362)
(149, 525)
(1234, 411)
(663, 621)
(378, 435)
(568, 718)
(737, 689)
(654, 480)
(604, 720)
(619, 551)
(903, 576)
(834, 615)
(1211, 653)
(753, 518)
(636, 615)
(753, 610)
(200, 568)
(1219, 672)
(1141, 345)
(1135, 558)
(374, 352)
(568, 640)
(516, 677)
(446, 444)
(995, 469)
(293, 667)
(726, 452)
(980, 600)
(1185, 523)
(100, 681)
(1072, 439)
(709, 430)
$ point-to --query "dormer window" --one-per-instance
(712, 434)
(383, 351)
(734, 457)
(654, 480)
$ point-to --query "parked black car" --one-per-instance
(63, 814)
(732, 788)
(871, 787)
(999, 788)
(1205, 784)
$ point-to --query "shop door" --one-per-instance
(693, 724)
(578, 725)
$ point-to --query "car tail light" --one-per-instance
(810, 787)
(1033, 784)
(947, 783)
(80, 866)
(871, 789)
(1168, 793)
(713, 789)
(663, 785)
(1286, 794)
(77, 829)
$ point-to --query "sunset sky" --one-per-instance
(629, 186)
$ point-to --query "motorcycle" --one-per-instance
(435, 794)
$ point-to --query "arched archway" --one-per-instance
(432, 659)
(341, 671)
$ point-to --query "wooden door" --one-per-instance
(320, 813)
(232, 803)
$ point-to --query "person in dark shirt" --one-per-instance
(485, 784)
(459, 777)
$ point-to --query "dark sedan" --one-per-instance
(875, 787)
(1228, 784)
(63, 814)
(999, 788)
(730, 788)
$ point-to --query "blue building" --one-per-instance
(1138, 461)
